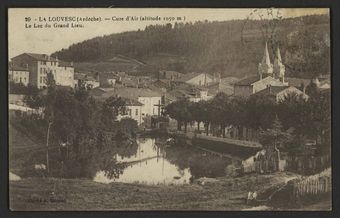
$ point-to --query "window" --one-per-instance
(41, 70)
(41, 79)
(129, 112)
(136, 112)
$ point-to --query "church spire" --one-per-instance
(266, 59)
(265, 67)
(279, 68)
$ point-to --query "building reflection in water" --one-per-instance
(149, 166)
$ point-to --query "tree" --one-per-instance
(111, 108)
(275, 136)
(180, 111)
(290, 110)
(197, 111)
(320, 109)
(260, 112)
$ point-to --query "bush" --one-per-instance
(207, 166)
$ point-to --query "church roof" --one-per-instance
(247, 81)
(272, 90)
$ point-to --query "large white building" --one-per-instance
(150, 101)
(17, 74)
(39, 65)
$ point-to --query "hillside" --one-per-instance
(233, 48)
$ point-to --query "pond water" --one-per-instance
(154, 162)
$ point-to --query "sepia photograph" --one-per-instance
(149, 109)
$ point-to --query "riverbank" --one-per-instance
(224, 193)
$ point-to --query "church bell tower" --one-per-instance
(279, 68)
(265, 68)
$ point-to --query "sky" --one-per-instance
(48, 40)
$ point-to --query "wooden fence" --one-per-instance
(313, 185)
(268, 162)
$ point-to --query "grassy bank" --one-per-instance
(222, 194)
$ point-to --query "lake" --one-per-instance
(155, 162)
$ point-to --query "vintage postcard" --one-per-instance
(169, 109)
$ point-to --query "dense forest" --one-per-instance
(233, 48)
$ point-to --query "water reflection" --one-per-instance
(153, 162)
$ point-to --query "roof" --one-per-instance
(272, 90)
(170, 74)
(275, 90)
(247, 81)
(124, 92)
(45, 57)
(325, 82)
(132, 102)
(41, 57)
(189, 76)
(160, 83)
(186, 90)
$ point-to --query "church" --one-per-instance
(268, 75)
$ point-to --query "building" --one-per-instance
(268, 75)
(133, 110)
(279, 93)
(197, 79)
(151, 101)
(323, 84)
(88, 80)
(17, 74)
(299, 83)
(39, 65)
(251, 85)
(107, 79)
(190, 92)
(169, 75)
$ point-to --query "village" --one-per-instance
(168, 101)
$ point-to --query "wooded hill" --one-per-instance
(233, 48)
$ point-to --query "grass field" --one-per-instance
(78, 194)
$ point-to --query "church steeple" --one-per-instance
(265, 67)
(279, 68)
